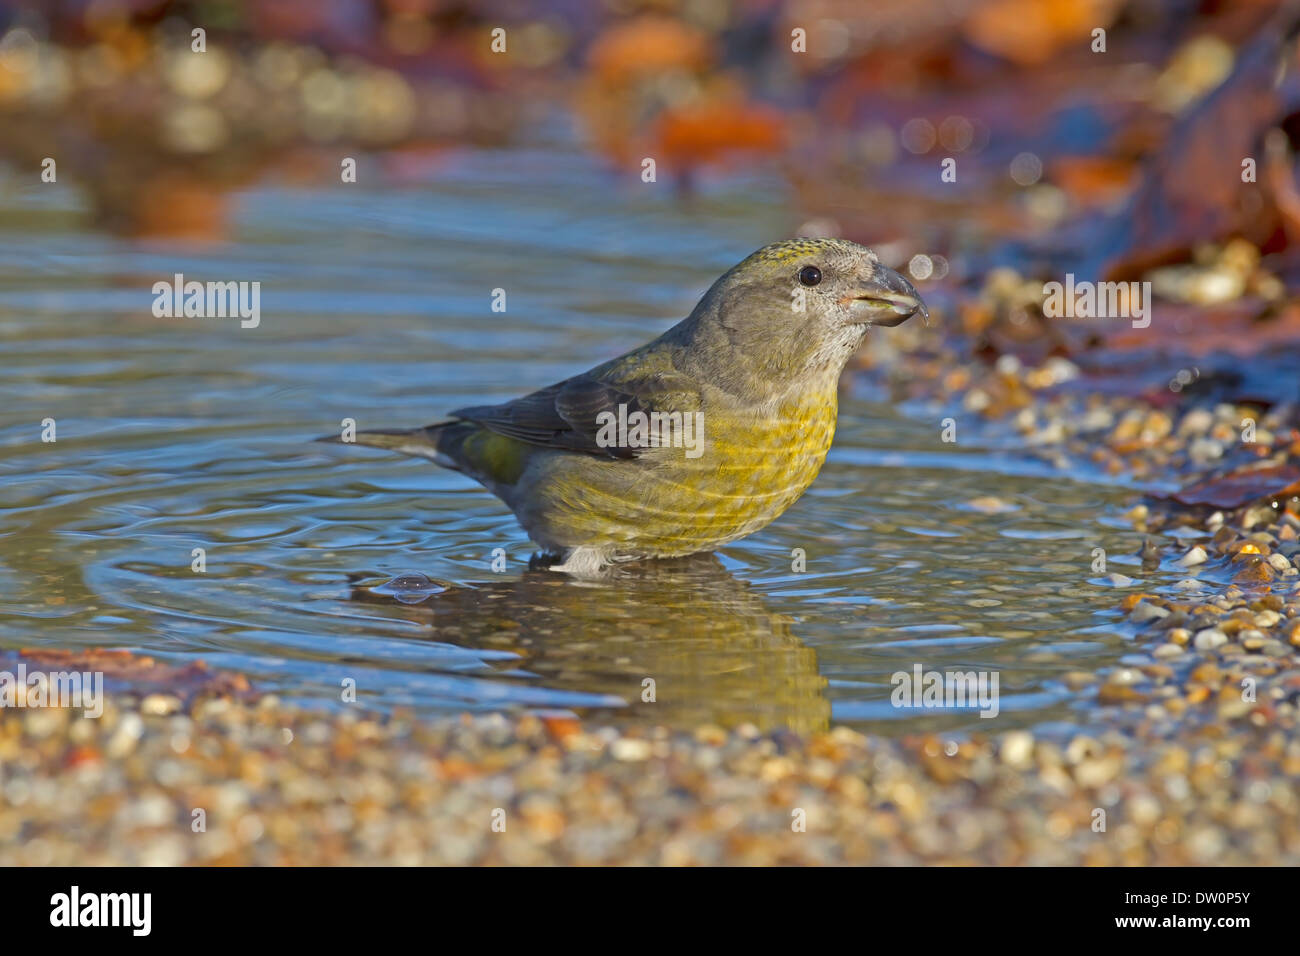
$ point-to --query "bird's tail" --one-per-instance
(420, 442)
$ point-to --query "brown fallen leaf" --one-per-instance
(1192, 191)
(138, 673)
(1242, 487)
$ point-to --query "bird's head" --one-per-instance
(801, 307)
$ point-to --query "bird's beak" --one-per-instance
(887, 299)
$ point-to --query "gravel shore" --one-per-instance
(250, 781)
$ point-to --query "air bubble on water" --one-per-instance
(411, 587)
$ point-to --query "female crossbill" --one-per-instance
(698, 438)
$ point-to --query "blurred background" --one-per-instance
(1053, 109)
(1147, 140)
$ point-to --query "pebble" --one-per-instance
(1251, 639)
(1209, 639)
(160, 704)
(630, 749)
(1198, 421)
(125, 736)
(1148, 612)
(1017, 748)
(1205, 450)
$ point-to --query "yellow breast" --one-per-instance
(753, 467)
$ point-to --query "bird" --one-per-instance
(698, 438)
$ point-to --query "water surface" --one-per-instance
(176, 434)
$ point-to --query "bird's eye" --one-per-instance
(810, 275)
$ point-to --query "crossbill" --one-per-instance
(700, 437)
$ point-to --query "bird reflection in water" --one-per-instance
(716, 653)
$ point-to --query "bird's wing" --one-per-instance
(568, 415)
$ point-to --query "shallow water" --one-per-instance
(175, 434)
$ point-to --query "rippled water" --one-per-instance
(175, 434)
